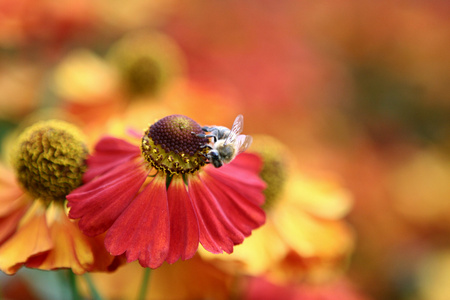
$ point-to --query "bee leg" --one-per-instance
(207, 128)
(204, 158)
(202, 135)
(206, 146)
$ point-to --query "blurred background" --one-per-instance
(357, 91)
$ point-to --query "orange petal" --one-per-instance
(13, 204)
(71, 249)
(9, 223)
(12, 196)
(32, 237)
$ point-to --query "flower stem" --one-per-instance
(72, 280)
(93, 290)
(144, 284)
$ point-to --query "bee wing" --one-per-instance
(236, 129)
(243, 142)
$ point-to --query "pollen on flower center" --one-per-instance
(49, 159)
(274, 170)
(171, 145)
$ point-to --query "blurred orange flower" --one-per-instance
(305, 236)
(36, 232)
(43, 24)
(20, 84)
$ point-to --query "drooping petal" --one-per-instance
(8, 224)
(72, 249)
(238, 177)
(13, 203)
(142, 231)
(31, 238)
(11, 213)
(242, 210)
(109, 153)
(12, 195)
(184, 230)
(217, 232)
(247, 161)
(99, 203)
(243, 213)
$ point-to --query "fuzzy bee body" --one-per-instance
(227, 143)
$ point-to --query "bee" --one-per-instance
(227, 143)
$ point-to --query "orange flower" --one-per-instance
(49, 161)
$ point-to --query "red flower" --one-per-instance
(157, 202)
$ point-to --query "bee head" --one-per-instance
(214, 158)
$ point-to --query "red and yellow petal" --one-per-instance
(32, 237)
(100, 202)
(142, 231)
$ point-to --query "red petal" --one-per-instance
(109, 153)
(240, 178)
(247, 161)
(243, 211)
(217, 232)
(100, 202)
(184, 231)
(142, 230)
